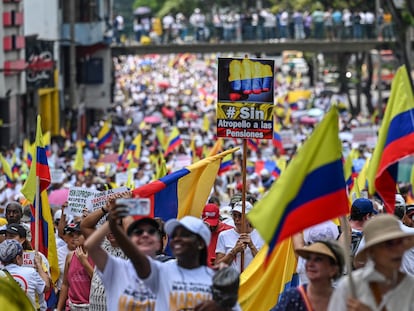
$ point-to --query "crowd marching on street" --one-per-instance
(163, 120)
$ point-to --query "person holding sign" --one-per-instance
(231, 243)
(34, 283)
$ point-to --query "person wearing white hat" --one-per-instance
(231, 243)
(181, 284)
(380, 284)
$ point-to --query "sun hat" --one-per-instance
(382, 228)
(191, 223)
(328, 248)
(211, 214)
(238, 207)
(9, 250)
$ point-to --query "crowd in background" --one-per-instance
(230, 25)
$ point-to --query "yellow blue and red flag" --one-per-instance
(185, 191)
(174, 141)
(104, 135)
(277, 139)
(226, 164)
(40, 170)
(262, 285)
(310, 190)
(395, 140)
(253, 144)
(7, 171)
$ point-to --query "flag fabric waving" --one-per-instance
(310, 190)
(262, 285)
(183, 192)
(40, 170)
(104, 135)
(395, 140)
(174, 141)
(79, 164)
(6, 170)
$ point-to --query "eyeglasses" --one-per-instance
(139, 232)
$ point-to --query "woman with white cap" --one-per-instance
(324, 264)
(181, 284)
(380, 284)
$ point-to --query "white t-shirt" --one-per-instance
(178, 288)
(226, 241)
(123, 289)
(28, 279)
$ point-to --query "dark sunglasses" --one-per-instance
(139, 232)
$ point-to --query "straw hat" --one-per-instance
(328, 248)
(382, 228)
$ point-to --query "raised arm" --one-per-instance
(93, 246)
(88, 224)
(139, 260)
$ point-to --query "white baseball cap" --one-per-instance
(191, 223)
(238, 207)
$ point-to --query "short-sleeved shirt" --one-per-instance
(28, 279)
(226, 241)
(124, 290)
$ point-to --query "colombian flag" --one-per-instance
(253, 144)
(310, 191)
(173, 141)
(104, 135)
(183, 192)
(395, 140)
(40, 170)
(277, 139)
(262, 285)
(6, 170)
(226, 164)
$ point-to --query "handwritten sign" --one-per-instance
(77, 200)
(100, 199)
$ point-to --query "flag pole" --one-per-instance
(37, 199)
(347, 253)
(243, 229)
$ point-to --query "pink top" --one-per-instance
(79, 281)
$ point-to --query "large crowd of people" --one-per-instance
(154, 264)
(230, 25)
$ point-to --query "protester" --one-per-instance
(326, 231)
(123, 289)
(324, 263)
(231, 243)
(180, 284)
(77, 276)
(97, 299)
(33, 281)
(211, 216)
(379, 284)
